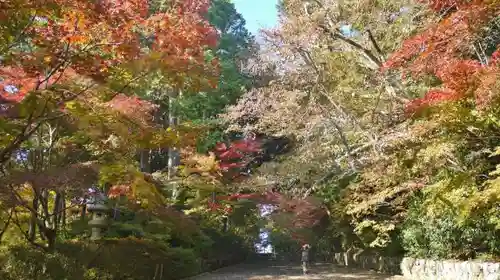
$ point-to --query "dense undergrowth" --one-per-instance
(137, 246)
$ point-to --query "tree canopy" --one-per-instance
(390, 106)
(366, 126)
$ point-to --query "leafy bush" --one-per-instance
(447, 237)
(226, 249)
(124, 259)
(24, 263)
(284, 244)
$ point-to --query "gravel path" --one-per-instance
(291, 272)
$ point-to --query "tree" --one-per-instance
(56, 45)
(460, 109)
(328, 89)
(235, 46)
(439, 50)
(69, 70)
(353, 146)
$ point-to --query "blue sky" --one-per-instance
(258, 13)
(263, 14)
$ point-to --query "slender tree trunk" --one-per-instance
(34, 217)
(173, 153)
(145, 161)
(44, 203)
(62, 215)
(146, 155)
(225, 224)
(56, 213)
(83, 212)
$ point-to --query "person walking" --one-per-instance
(305, 257)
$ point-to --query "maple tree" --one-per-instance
(76, 49)
(230, 167)
(227, 162)
(290, 215)
(85, 89)
(439, 51)
(238, 155)
(369, 138)
(453, 50)
(69, 73)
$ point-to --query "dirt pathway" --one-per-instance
(291, 272)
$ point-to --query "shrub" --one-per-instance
(447, 237)
(23, 263)
(226, 249)
(124, 259)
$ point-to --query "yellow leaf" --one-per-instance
(71, 105)
(496, 152)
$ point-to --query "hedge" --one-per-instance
(124, 259)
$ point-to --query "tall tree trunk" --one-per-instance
(44, 203)
(173, 153)
(56, 213)
(83, 212)
(62, 216)
(145, 160)
(225, 224)
(34, 217)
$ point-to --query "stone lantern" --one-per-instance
(99, 211)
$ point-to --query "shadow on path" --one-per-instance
(273, 271)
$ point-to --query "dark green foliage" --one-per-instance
(234, 47)
(235, 37)
(226, 249)
(207, 141)
(138, 246)
(284, 245)
(446, 237)
(126, 258)
(130, 259)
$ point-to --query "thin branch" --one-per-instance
(25, 134)
(21, 201)
(338, 35)
(65, 208)
(45, 206)
(343, 138)
(6, 225)
(374, 43)
(64, 59)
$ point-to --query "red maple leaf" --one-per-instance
(230, 154)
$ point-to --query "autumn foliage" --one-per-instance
(440, 49)
(237, 155)
(87, 42)
(232, 163)
(92, 37)
(289, 213)
(87, 97)
(80, 62)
